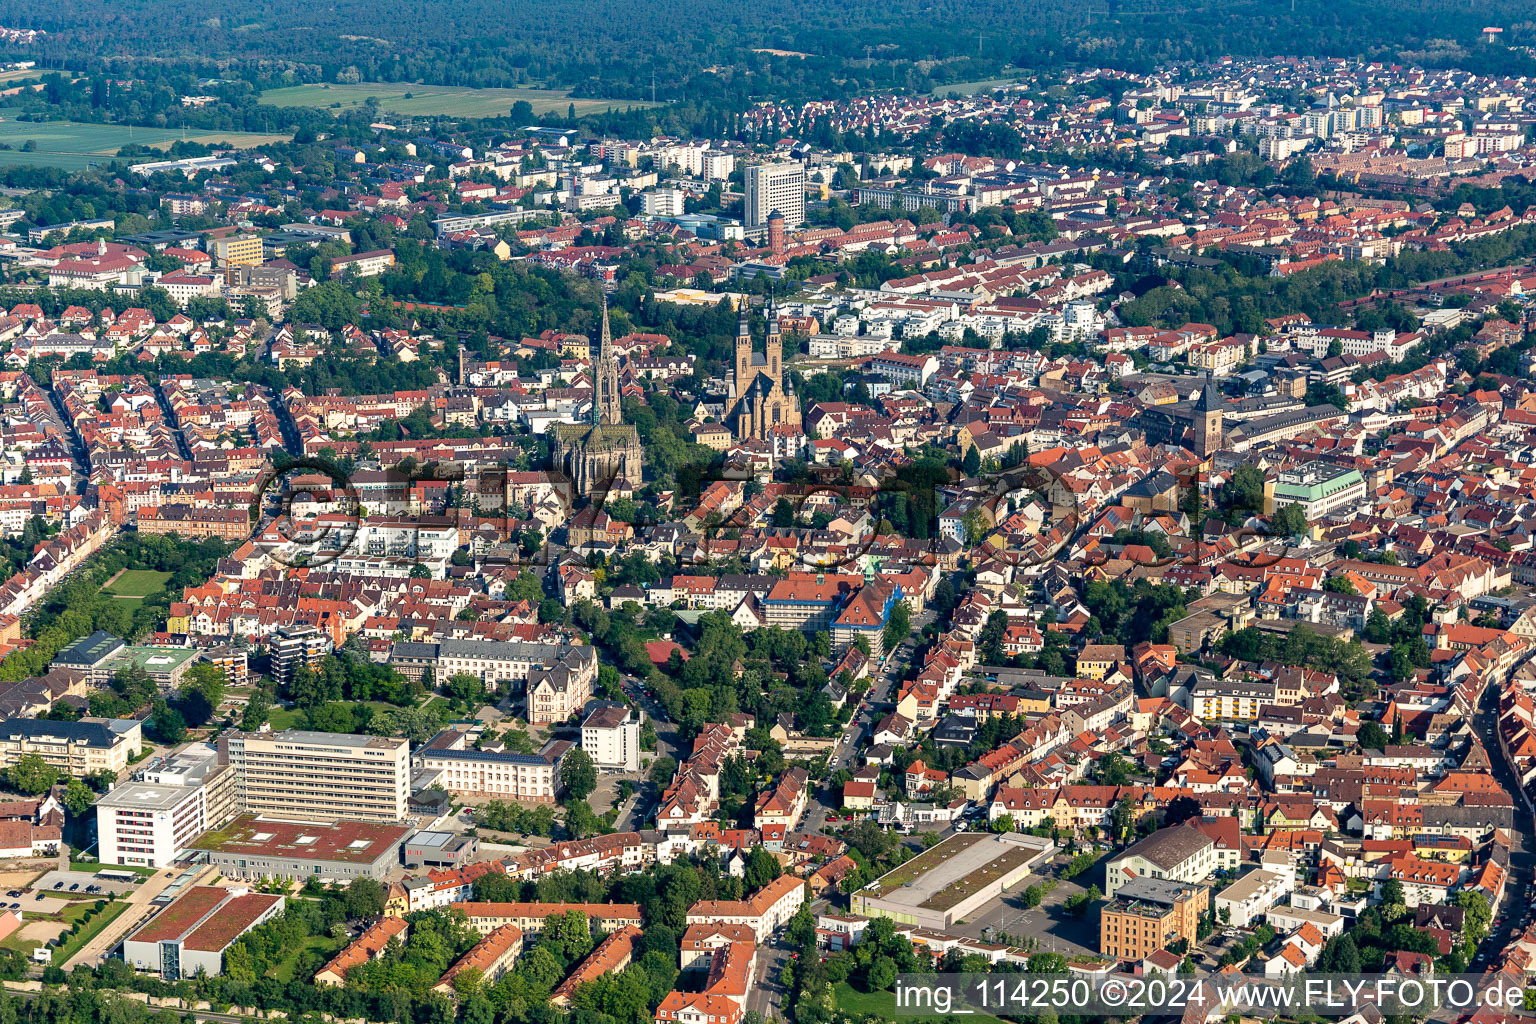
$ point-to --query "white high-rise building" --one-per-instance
(773, 187)
(611, 737)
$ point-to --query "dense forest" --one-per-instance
(710, 47)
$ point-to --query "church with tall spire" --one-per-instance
(758, 398)
(602, 455)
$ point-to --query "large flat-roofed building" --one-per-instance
(524, 778)
(192, 933)
(1181, 853)
(1149, 914)
(529, 917)
(1320, 488)
(321, 776)
(237, 250)
(91, 655)
(253, 847)
(500, 663)
(78, 748)
(943, 885)
(151, 822)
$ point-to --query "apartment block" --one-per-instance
(1149, 914)
(294, 646)
(775, 188)
(611, 737)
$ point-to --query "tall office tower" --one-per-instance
(773, 187)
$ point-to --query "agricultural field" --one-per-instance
(136, 584)
(74, 146)
(434, 100)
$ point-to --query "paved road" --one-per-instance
(1522, 857)
(824, 799)
(767, 995)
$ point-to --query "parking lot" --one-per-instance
(80, 882)
(1049, 924)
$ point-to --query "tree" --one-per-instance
(899, 626)
(1289, 521)
(1113, 771)
(578, 774)
(1003, 823)
(31, 775)
(257, 710)
(202, 691)
(1181, 809)
(420, 572)
(881, 973)
(580, 821)
(168, 724)
(1393, 901)
(1372, 736)
(78, 797)
(1476, 914)
(364, 897)
(662, 770)
(970, 465)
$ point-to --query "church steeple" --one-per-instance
(606, 408)
(1208, 419)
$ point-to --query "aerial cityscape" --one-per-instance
(609, 512)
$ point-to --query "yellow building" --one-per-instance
(237, 250)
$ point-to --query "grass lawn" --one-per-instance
(137, 583)
(853, 1003)
(73, 146)
(972, 88)
(285, 718)
(429, 100)
(61, 954)
(284, 969)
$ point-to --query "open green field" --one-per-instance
(73, 145)
(855, 1004)
(324, 944)
(972, 88)
(435, 100)
(70, 947)
(137, 583)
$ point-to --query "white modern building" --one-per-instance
(611, 737)
(150, 823)
(773, 187)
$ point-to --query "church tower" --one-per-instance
(743, 372)
(605, 396)
(1207, 420)
(775, 345)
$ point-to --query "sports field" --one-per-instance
(137, 583)
(73, 145)
(435, 100)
